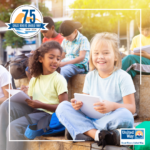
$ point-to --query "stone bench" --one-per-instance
(75, 85)
(60, 144)
(142, 95)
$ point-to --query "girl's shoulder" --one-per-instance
(122, 72)
(3, 70)
(121, 75)
(59, 77)
(33, 80)
(92, 74)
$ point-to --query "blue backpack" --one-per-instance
(49, 125)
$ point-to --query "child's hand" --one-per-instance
(76, 104)
(24, 89)
(32, 52)
(104, 107)
(143, 54)
(34, 103)
(62, 64)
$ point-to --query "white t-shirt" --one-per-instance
(112, 88)
(5, 78)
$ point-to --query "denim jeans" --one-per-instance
(70, 70)
(76, 122)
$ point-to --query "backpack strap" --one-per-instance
(38, 129)
(29, 119)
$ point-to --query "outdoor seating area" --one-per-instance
(75, 85)
(74, 75)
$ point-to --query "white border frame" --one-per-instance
(73, 140)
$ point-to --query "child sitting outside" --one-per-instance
(131, 63)
(5, 80)
(76, 49)
(113, 85)
(49, 35)
(47, 89)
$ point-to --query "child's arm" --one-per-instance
(107, 106)
(143, 54)
(6, 94)
(63, 55)
(24, 89)
(49, 107)
(76, 60)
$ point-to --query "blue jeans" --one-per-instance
(76, 122)
(70, 70)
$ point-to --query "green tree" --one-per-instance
(6, 8)
(44, 10)
(13, 40)
(95, 21)
(57, 25)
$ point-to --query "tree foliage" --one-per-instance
(13, 40)
(57, 25)
(44, 10)
(95, 21)
(6, 8)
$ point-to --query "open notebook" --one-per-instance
(18, 96)
(143, 48)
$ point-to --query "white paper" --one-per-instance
(87, 107)
(143, 48)
(18, 96)
(12, 92)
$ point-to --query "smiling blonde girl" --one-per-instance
(113, 85)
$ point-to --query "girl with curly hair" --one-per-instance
(47, 89)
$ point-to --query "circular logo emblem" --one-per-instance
(26, 21)
(139, 134)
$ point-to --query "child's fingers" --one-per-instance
(77, 107)
(28, 101)
(98, 103)
(100, 109)
(73, 100)
(79, 102)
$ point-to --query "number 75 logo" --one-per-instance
(26, 21)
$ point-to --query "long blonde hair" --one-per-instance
(112, 40)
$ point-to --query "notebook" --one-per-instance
(18, 96)
(143, 48)
(87, 107)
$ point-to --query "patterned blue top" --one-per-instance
(73, 48)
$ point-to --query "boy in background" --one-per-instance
(76, 48)
(5, 81)
(131, 63)
(51, 34)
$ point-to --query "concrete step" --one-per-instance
(59, 143)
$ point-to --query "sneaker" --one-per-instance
(83, 137)
(109, 138)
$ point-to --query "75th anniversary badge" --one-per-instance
(26, 21)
